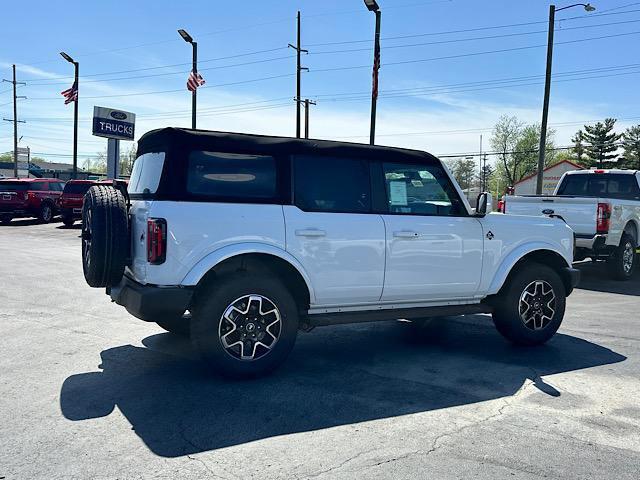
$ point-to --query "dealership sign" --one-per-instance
(111, 123)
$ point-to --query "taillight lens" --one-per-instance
(156, 240)
(603, 218)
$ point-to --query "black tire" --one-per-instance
(46, 212)
(208, 328)
(618, 262)
(6, 219)
(105, 236)
(507, 317)
(68, 220)
(178, 324)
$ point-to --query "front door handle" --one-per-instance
(311, 232)
(406, 234)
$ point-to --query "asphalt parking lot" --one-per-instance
(90, 392)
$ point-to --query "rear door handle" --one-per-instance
(311, 232)
(406, 234)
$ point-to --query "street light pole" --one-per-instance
(194, 68)
(76, 76)
(547, 89)
(373, 6)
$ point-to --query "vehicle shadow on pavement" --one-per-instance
(23, 222)
(335, 376)
(595, 277)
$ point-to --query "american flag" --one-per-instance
(376, 67)
(71, 94)
(194, 81)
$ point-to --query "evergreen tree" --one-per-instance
(631, 145)
(578, 147)
(601, 141)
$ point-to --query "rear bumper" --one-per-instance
(590, 242)
(150, 302)
(75, 212)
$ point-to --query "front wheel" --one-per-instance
(244, 325)
(530, 307)
(622, 262)
(6, 219)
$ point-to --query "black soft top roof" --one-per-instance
(181, 139)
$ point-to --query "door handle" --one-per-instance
(406, 234)
(311, 232)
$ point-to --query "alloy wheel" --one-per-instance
(627, 258)
(537, 305)
(250, 327)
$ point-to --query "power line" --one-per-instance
(463, 55)
(33, 81)
(468, 30)
(458, 40)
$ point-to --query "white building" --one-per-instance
(550, 179)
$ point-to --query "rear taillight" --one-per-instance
(603, 217)
(156, 240)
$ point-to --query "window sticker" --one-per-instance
(398, 193)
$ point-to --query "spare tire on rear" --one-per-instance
(105, 236)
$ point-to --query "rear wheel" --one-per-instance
(244, 325)
(530, 307)
(105, 236)
(6, 219)
(46, 213)
(622, 262)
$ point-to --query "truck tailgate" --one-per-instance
(579, 212)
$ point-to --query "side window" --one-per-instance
(232, 176)
(55, 186)
(39, 186)
(420, 190)
(331, 184)
(146, 173)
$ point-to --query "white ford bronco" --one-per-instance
(240, 241)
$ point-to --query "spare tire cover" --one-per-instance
(105, 236)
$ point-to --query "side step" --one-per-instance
(322, 319)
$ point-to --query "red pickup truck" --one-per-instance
(29, 197)
(70, 203)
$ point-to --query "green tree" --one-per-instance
(525, 157)
(464, 171)
(504, 138)
(631, 146)
(127, 160)
(578, 148)
(601, 141)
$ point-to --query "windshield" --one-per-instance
(14, 186)
(77, 188)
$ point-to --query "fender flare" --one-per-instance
(214, 258)
(514, 257)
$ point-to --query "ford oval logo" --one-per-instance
(118, 115)
(548, 211)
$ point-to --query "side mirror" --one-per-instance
(484, 203)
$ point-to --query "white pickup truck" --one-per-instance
(603, 209)
(258, 237)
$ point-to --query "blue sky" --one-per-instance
(438, 104)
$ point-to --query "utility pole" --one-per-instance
(373, 6)
(307, 103)
(480, 178)
(15, 120)
(547, 89)
(299, 69)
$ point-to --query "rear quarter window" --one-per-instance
(146, 173)
(229, 176)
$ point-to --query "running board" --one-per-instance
(322, 319)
